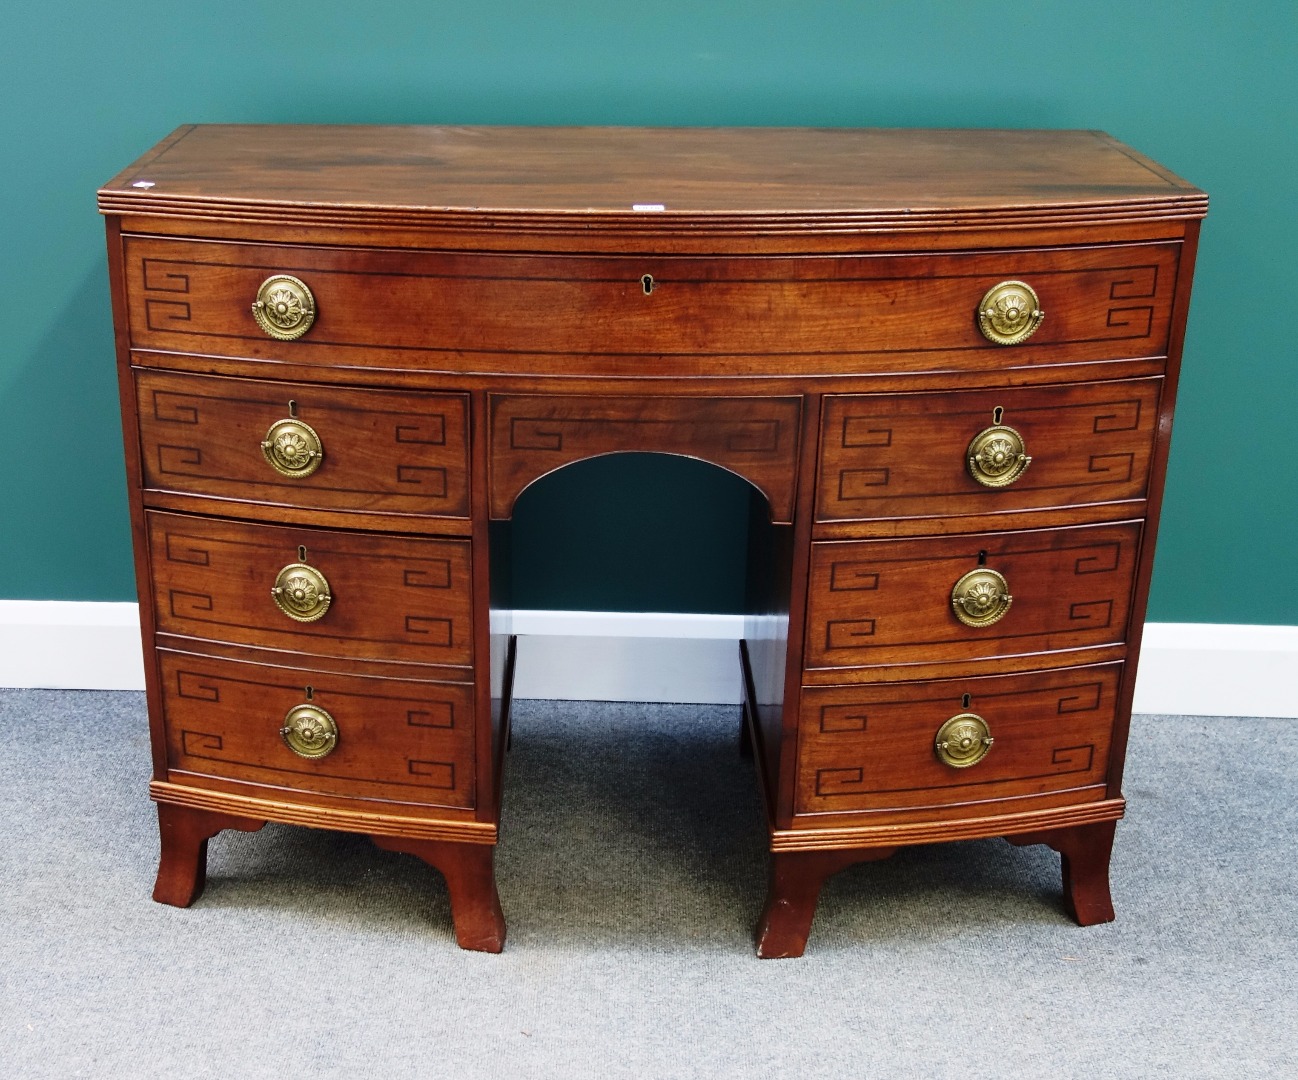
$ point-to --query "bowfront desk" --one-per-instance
(945, 361)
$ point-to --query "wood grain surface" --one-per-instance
(418, 174)
(399, 741)
(756, 438)
(457, 311)
(384, 452)
(394, 598)
(905, 455)
(872, 747)
(879, 603)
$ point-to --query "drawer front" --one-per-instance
(756, 438)
(396, 739)
(908, 455)
(379, 451)
(391, 598)
(387, 308)
(885, 602)
(874, 747)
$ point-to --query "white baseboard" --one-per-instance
(70, 645)
(1200, 669)
(625, 656)
(1214, 669)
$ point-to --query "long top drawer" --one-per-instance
(836, 314)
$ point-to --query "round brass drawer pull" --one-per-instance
(981, 597)
(301, 592)
(293, 448)
(309, 731)
(996, 456)
(284, 308)
(1010, 313)
(963, 741)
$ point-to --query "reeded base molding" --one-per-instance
(939, 832)
(323, 817)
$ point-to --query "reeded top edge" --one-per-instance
(653, 179)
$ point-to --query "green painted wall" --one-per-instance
(1206, 88)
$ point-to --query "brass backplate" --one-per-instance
(284, 307)
(981, 597)
(1010, 313)
(963, 741)
(293, 448)
(309, 731)
(301, 592)
(996, 457)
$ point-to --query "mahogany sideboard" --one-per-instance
(945, 361)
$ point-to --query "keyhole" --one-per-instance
(982, 558)
(301, 553)
(292, 409)
(964, 701)
(997, 413)
(648, 283)
(310, 693)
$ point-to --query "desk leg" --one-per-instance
(470, 876)
(184, 831)
(1084, 853)
(796, 880)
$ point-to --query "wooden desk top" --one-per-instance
(889, 179)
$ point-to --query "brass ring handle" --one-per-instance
(293, 448)
(1010, 313)
(301, 592)
(284, 307)
(963, 741)
(309, 731)
(996, 457)
(981, 597)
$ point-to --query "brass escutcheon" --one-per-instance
(981, 597)
(995, 456)
(309, 731)
(1010, 313)
(301, 592)
(284, 307)
(963, 741)
(293, 448)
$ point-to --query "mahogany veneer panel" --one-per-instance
(394, 598)
(904, 455)
(403, 453)
(884, 602)
(870, 748)
(398, 740)
(757, 438)
(1101, 304)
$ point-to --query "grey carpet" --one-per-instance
(631, 873)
